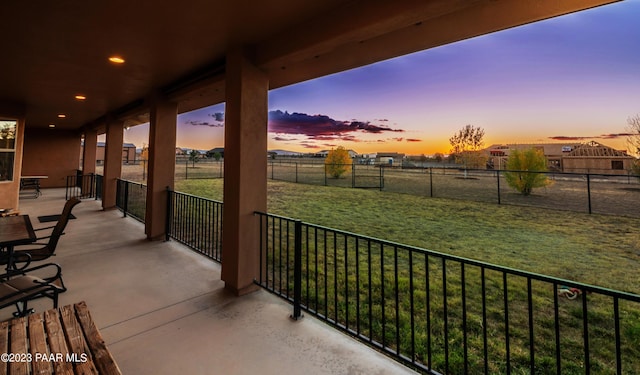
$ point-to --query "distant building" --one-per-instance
(389, 158)
(213, 151)
(324, 153)
(590, 157)
(128, 152)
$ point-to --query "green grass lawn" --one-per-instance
(601, 250)
(594, 249)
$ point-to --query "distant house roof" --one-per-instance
(591, 148)
(596, 149)
(217, 149)
(389, 155)
(124, 145)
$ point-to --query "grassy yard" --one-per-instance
(601, 250)
(595, 249)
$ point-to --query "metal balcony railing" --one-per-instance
(440, 313)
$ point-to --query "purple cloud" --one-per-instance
(321, 127)
(582, 138)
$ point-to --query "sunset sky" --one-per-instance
(571, 78)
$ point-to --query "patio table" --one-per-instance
(58, 341)
(15, 230)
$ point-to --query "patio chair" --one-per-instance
(18, 287)
(28, 253)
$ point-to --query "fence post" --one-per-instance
(353, 175)
(186, 170)
(297, 271)
(498, 178)
(325, 175)
(431, 182)
(296, 172)
(589, 190)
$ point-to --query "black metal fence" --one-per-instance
(592, 193)
(84, 186)
(444, 314)
(131, 198)
(196, 222)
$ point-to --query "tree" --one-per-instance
(337, 162)
(524, 170)
(466, 145)
(633, 140)
(217, 156)
(633, 137)
(193, 157)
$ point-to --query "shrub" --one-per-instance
(525, 169)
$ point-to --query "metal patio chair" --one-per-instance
(28, 253)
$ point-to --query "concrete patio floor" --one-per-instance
(162, 308)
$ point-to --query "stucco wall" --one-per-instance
(53, 153)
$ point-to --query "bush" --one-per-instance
(338, 162)
(525, 170)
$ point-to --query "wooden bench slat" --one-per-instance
(38, 345)
(4, 347)
(76, 341)
(18, 346)
(62, 341)
(101, 356)
(57, 341)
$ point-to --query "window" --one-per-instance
(8, 130)
(617, 164)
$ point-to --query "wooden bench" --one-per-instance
(58, 341)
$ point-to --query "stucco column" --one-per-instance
(89, 152)
(112, 163)
(162, 165)
(245, 166)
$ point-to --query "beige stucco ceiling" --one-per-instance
(54, 50)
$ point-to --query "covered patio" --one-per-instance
(162, 308)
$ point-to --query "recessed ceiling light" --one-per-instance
(62, 115)
(116, 59)
(81, 97)
(52, 126)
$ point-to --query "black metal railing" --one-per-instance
(444, 314)
(131, 198)
(196, 222)
(84, 186)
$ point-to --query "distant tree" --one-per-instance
(438, 157)
(524, 170)
(144, 154)
(466, 145)
(217, 156)
(633, 141)
(194, 157)
(633, 137)
(338, 162)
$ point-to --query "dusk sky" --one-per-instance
(571, 78)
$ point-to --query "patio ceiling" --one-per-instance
(55, 50)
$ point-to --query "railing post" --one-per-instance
(93, 185)
(297, 271)
(169, 218)
(126, 198)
